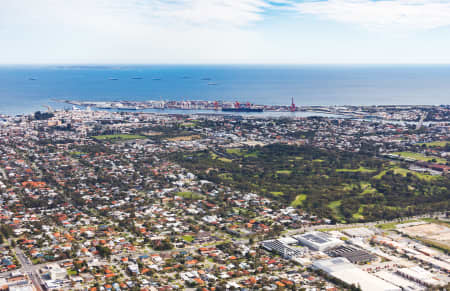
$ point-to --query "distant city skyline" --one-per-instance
(225, 31)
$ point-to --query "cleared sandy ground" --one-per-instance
(431, 231)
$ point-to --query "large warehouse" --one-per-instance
(345, 271)
(319, 241)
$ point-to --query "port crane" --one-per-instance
(292, 108)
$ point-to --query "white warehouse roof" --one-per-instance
(345, 271)
(318, 240)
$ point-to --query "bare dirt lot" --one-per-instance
(430, 231)
(184, 138)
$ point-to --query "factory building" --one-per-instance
(358, 232)
(318, 241)
(354, 255)
(281, 248)
(419, 275)
(345, 271)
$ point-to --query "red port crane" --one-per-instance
(292, 107)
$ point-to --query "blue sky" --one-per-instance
(225, 31)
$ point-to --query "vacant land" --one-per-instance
(392, 225)
(431, 232)
(184, 138)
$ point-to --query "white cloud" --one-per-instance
(168, 31)
(211, 31)
(235, 12)
(415, 14)
(162, 13)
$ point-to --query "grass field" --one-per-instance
(358, 215)
(188, 238)
(335, 207)
(242, 153)
(420, 157)
(367, 188)
(284, 172)
(391, 225)
(252, 155)
(436, 143)
(190, 195)
(404, 172)
(234, 151)
(118, 136)
(299, 200)
(360, 169)
(334, 204)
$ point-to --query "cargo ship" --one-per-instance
(239, 108)
(243, 109)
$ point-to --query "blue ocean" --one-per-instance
(26, 89)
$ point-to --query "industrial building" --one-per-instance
(345, 271)
(318, 241)
(281, 248)
(419, 275)
(354, 255)
(397, 280)
(358, 232)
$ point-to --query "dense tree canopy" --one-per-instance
(341, 185)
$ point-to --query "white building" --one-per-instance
(319, 241)
(419, 275)
(56, 272)
(345, 271)
(397, 280)
(358, 232)
(134, 269)
(27, 287)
